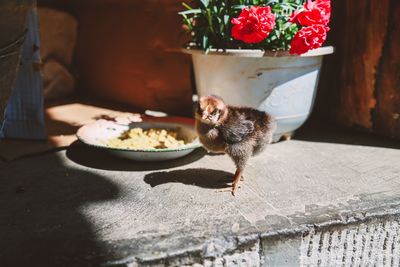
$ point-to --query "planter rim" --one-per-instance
(326, 50)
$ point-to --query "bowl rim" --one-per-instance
(191, 146)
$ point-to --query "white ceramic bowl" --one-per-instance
(96, 134)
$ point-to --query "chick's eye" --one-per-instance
(215, 112)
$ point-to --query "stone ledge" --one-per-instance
(84, 207)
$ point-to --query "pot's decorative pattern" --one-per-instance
(282, 85)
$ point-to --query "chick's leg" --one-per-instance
(236, 180)
(240, 156)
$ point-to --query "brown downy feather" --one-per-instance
(240, 132)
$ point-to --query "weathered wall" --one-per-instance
(360, 83)
(387, 111)
(129, 51)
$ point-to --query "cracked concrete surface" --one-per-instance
(82, 207)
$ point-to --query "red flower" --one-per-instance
(314, 12)
(311, 17)
(253, 25)
(308, 38)
(295, 14)
(323, 5)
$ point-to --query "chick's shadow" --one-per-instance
(205, 178)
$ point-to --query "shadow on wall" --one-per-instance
(41, 220)
(322, 131)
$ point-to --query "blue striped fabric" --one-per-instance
(24, 116)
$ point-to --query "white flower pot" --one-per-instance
(275, 82)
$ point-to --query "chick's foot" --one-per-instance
(236, 181)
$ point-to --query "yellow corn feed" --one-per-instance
(137, 138)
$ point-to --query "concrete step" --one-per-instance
(326, 198)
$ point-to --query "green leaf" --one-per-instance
(205, 2)
(205, 42)
(238, 7)
(226, 19)
(271, 2)
(192, 11)
(186, 6)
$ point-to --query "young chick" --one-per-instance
(240, 132)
